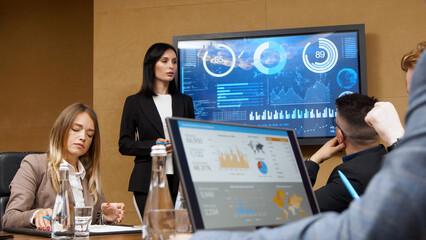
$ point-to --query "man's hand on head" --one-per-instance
(385, 120)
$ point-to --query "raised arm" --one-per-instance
(385, 120)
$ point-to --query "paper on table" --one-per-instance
(112, 228)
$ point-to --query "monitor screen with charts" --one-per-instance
(240, 177)
(285, 78)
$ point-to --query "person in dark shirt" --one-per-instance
(364, 153)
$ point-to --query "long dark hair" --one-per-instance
(153, 54)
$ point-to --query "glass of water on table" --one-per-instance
(83, 219)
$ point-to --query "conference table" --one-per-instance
(126, 236)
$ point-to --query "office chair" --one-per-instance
(9, 165)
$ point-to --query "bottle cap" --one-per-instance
(158, 150)
(63, 167)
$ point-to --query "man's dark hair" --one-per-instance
(153, 54)
(352, 109)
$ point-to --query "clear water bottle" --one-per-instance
(63, 210)
(181, 199)
(159, 194)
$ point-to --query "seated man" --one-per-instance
(363, 157)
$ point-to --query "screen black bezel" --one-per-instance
(186, 178)
(359, 28)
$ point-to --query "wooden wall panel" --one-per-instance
(46, 63)
(124, 30)
(121, 38)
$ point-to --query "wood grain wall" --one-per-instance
(55, 52)
(46, 63)
(123, 30)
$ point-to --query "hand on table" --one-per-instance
(113, 212)
(41, 222)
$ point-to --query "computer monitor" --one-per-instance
(286, 78)
(241, 177)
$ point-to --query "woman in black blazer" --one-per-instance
(143, 120)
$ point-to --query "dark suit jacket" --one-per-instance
(140, 115)
(359, 170)
(31, 189)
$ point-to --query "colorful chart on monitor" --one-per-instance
(262, 167)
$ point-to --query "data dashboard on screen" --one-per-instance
(285, 78)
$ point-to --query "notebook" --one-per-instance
(94, 230)
(240, 177)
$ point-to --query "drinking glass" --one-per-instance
(182, 222)
(83, 219)
(163, 224)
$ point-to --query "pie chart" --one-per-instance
(262, 167)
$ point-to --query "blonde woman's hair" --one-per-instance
(57, 148)
(410, 59)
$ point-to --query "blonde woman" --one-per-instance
(74, 139)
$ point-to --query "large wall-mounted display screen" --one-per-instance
(285, 78)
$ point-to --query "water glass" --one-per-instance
(83, 219)
(163, 224)
(182, 222)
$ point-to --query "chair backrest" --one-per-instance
(9, 165)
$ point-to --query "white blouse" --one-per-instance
(75, 179)
(164, 108)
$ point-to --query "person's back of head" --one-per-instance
(352, 109)
(410, 59)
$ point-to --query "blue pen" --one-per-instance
(48, 218)
(348, 186)
(163, 143)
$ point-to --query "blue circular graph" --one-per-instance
(279, 64)
(219, 60)
(328, 50)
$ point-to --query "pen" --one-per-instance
(167, 143)
(48, 218)
(348, 185)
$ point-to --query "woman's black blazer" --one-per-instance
(140, 117)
